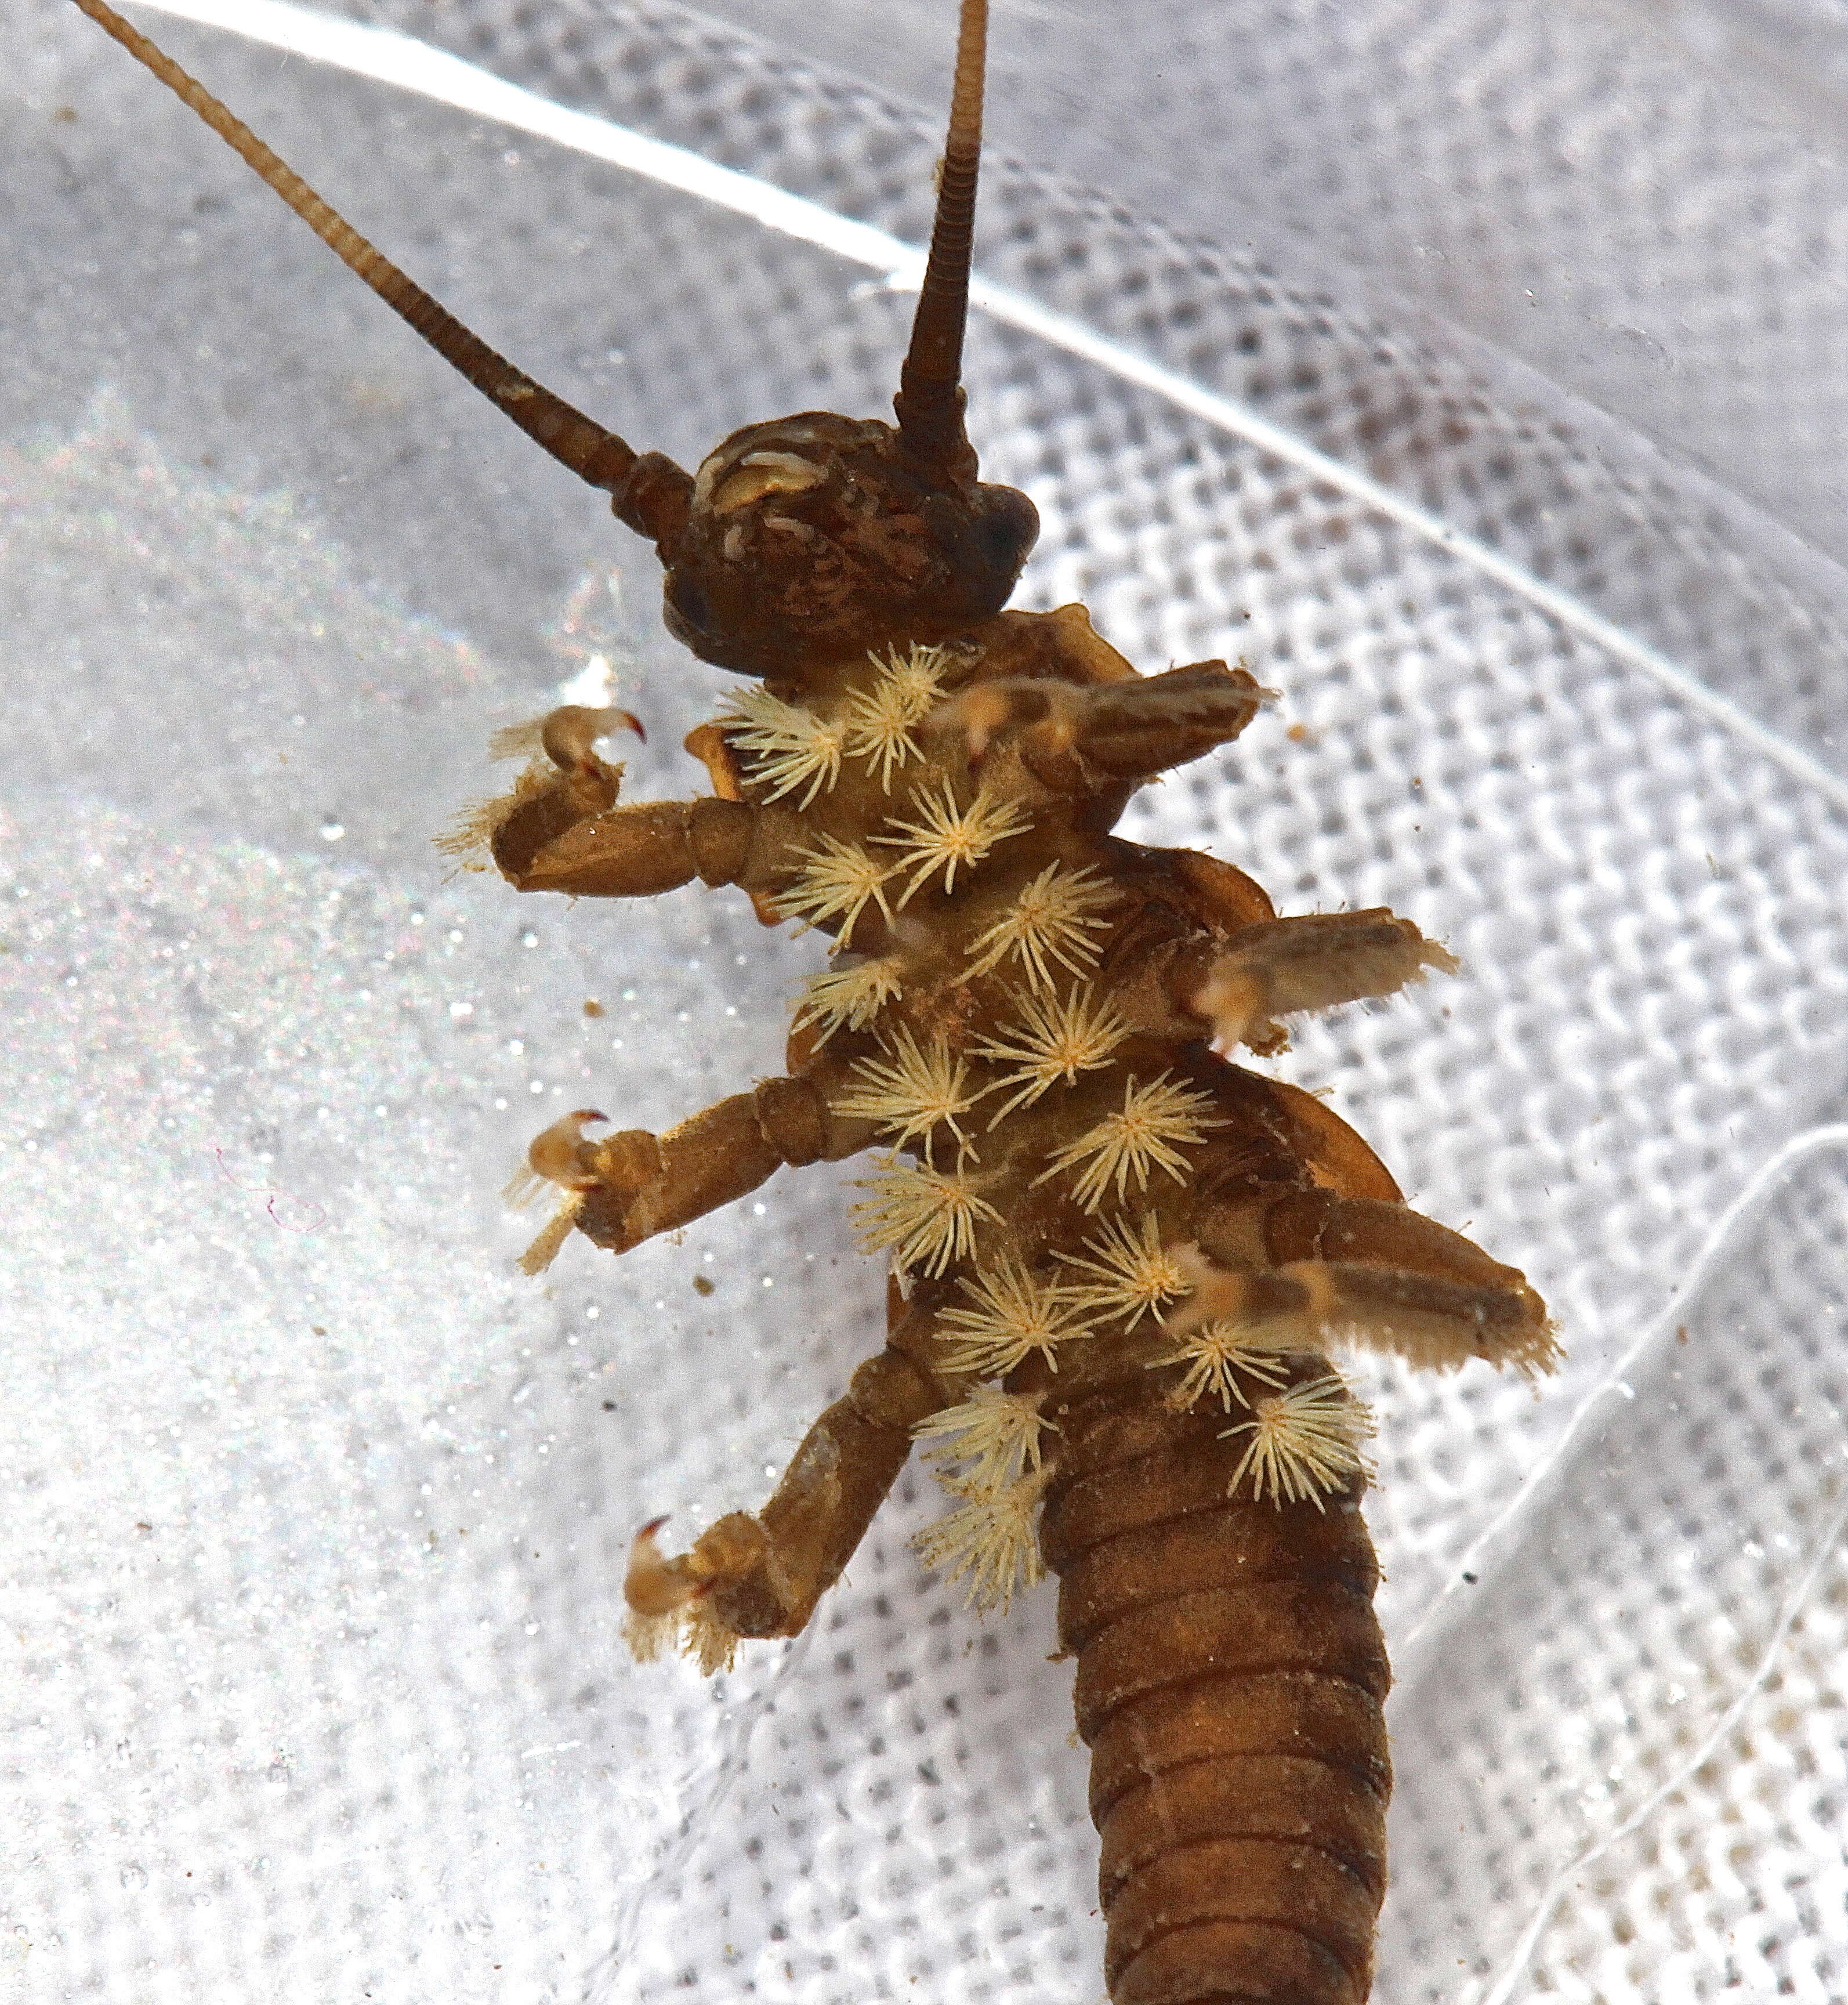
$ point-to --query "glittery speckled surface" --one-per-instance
(315, 1509)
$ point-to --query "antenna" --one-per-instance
(930, 400)
(650, 493)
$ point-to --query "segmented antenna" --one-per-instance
(650, 493)
(929, 401)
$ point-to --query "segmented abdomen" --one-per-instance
(1230, 1677)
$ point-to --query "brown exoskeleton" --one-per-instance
(1118, 1259)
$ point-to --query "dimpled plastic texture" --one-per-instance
(317, 1510)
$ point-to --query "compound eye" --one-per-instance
(688, 599)
(761, 473)
(1007, 527)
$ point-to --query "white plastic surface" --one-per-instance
(316, 1510)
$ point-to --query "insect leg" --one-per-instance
(762, 1576)
(1317, 960)
(560, 830)
(631, 1185)
(628, 852)
(1360, 1270)
(1077, 739)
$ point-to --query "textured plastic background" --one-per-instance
(316, 1511)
